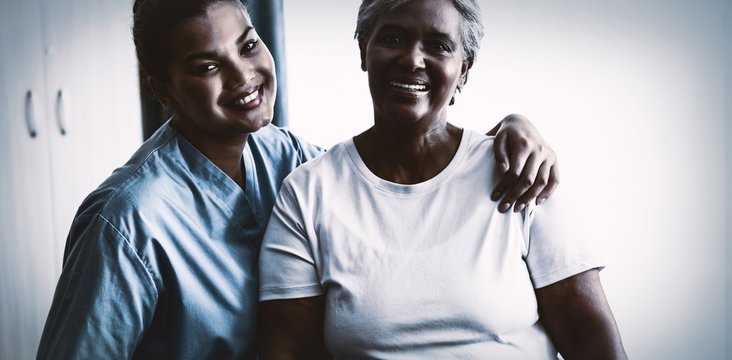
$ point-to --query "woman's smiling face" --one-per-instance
(221, 77)
(414, 59)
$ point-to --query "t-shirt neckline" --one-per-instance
(404, 189)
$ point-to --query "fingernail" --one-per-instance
(504, 207)
(503, 167)
(495, 195)
(540, 200)
(518, 207)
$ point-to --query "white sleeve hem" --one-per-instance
(290, 292)
(558, 275)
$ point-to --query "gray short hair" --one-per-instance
(471, 26)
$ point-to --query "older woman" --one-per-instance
(389, 246)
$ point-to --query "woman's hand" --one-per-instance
(528, 164)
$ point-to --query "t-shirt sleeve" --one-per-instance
(287, 268)
(558, 247)
(104, 300)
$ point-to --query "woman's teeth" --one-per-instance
(408, 86)
(247, 99)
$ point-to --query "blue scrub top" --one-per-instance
(161, 259)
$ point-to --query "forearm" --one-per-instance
(598, 340)
(282, 351)
(292, 329)
(276, 348)
(578, 319)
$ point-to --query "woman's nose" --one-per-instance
(413, 58)
(239, 74)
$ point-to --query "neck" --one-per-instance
(408, 154)
(225, 151)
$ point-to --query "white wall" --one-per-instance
(728, 124)
(630, 93)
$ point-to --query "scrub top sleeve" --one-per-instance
(287, 267)
(104, 300)
(558, 246)
(305, 150)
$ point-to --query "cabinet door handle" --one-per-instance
(61, 112)
(30, 114)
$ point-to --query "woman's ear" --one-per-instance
(362, 43)
(467, 64)
(465, 68)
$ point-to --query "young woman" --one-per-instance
(389, 246)
(161, 259)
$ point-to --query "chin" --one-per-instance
(257, 124)
(251, 121)
(405, 116)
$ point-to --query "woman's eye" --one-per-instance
(206, 68)
(441, 47)
(249, 46)
(391, 39)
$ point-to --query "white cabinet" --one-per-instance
(27, 248)
(92, 86)
(69, 114)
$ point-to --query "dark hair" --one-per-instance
(152, 22)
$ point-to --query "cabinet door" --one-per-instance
(27, 256)
(93, 98)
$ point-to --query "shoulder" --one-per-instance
(137, 186)
(332, 165)
(314, 182)
(275, 143)
(475, 159)
(106, 231)
(272, 134)
(478, 145)
(118, 221)
(560, 245)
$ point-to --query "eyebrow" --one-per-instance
(210, 54)
(432, 33)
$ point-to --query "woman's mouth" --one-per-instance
(410, 87)
(248, 101)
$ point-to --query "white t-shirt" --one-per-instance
(430, 270)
